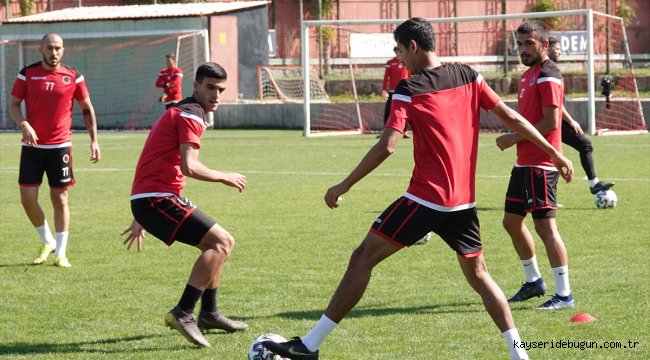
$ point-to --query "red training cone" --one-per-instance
(582, 318)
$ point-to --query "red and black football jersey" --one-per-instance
(443, 107)
(159, 167)
(48, 96)
(540, 87)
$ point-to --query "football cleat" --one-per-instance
(600, 186)
(215, 320)
(184, 323)
(529, 290)
(558, 302)
(293, 349)
(45, 252)
(62, 262)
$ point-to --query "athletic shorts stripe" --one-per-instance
(56, 163)
(532, 190)
(171, 218)
(405, 221)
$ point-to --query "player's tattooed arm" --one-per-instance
(90, 120)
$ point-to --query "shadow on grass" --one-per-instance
(90, 347)
(465, 307)
(24, 265)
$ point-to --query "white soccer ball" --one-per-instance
(606, 199)
(258, 352)
(423, 240)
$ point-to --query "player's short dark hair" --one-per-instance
(534, 26)
(552, 40)
(211, 70)
(171, 56)
(419, 30)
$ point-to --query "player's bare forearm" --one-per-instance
(523, 129)
(91, 123)
(88, 113)
(192, 167)
(15, 113)
(374, 157)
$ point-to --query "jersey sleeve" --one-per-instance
(488, 98)
(160, 80)
(384, 84)
(399, 108)
(190, 126)
(178, 78)
(19, 89)
(81, 91)
(551, 87)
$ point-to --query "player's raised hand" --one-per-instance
(29, 135)
(506, 141)
(333, 195)
(564, 166)
(95, 152)
(575, 126)
(135, 233)
(235, 180)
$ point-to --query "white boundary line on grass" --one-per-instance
(306, 173)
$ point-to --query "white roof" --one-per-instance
(138, 11)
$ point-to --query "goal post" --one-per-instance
(488, 44)
(120, 69)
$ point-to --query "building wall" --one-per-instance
(285, 17)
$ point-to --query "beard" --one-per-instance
(532, 60)
(51, 62)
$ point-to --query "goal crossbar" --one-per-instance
(588, 15)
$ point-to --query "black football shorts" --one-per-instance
(172, 218)
(405, 221)
(55, 162)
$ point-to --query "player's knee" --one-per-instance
(221, 242)
(510, 224)
(546, 231)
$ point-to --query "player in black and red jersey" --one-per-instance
(573, 135)
(170, 80)
(394, 72)
(48, 88)
(170, 153)
(442, 104)
(533, 180)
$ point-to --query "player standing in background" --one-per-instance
(394, 73)
(48, 87)
(442, 105)
(170, 80)
(170, 153)
(573, 135)
(533, 180)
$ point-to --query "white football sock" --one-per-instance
(61, 243)
(45, 234)
(516, 353)
(318, 333)
(593, 182)
(531, 269)
(562, 280)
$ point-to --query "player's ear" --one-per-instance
(196, 86)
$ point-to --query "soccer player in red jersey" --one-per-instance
(394, 73)
(441, 103)
(48, 88)
(573, 135)
(533, 180)
(170, 80)
(171, 153)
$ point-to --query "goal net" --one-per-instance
(120, 71)
(594, 48)
(284, 83)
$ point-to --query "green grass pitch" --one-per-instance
(292, 250)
